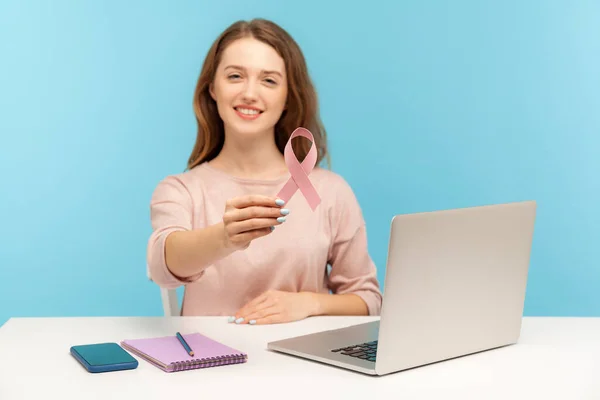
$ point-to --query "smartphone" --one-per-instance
(103, 357)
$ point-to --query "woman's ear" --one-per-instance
(211, 90)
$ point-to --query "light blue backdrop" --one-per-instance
(429, 105)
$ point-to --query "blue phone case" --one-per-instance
(103, 357)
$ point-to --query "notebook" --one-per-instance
(168, 354)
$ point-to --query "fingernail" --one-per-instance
(285, 211)
(272, 228)
(239, 320)
(281, 219)
(252, 322)
(279, 202)
(230, 319)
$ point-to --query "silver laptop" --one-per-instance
(455, 285)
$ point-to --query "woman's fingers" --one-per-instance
(249, 217)
(246, 237)
(254, 200)
(253, 224)
(247, 213)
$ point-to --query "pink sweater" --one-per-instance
(292, 258)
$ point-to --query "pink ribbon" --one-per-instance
(299, 172)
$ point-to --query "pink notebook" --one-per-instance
(169, 355)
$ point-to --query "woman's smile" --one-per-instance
(247, 112)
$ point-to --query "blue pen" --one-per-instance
(184, 344)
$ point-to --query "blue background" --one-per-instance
(428, 105)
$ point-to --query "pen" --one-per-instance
(184, 344)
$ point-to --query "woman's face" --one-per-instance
(250, 88)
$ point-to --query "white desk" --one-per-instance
(557, 358)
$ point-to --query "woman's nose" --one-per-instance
(250, 90)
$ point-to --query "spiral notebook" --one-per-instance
(168, 354)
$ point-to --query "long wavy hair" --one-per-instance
(301, 104)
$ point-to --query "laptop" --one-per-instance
(455, 285)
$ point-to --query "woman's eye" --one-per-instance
(233, 76)
(270, 81)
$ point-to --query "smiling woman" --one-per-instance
(242, 85)
(253, 92)
(254, 67)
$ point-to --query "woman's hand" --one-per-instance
(249, 217)
(275, 306)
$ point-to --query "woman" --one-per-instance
(217, 227)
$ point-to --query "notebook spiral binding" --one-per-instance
(208, 362)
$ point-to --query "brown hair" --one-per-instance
(301, 104)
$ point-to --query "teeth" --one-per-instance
(247, 111)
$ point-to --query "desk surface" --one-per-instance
(556, 358)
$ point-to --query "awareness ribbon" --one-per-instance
(299, 172)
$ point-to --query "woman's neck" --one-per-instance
(251, 159)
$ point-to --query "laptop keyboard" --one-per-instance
(366, 351)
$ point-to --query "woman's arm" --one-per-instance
(179, 254)
(188, 253)
(171, 215)
(339, 304)
(353, 273)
